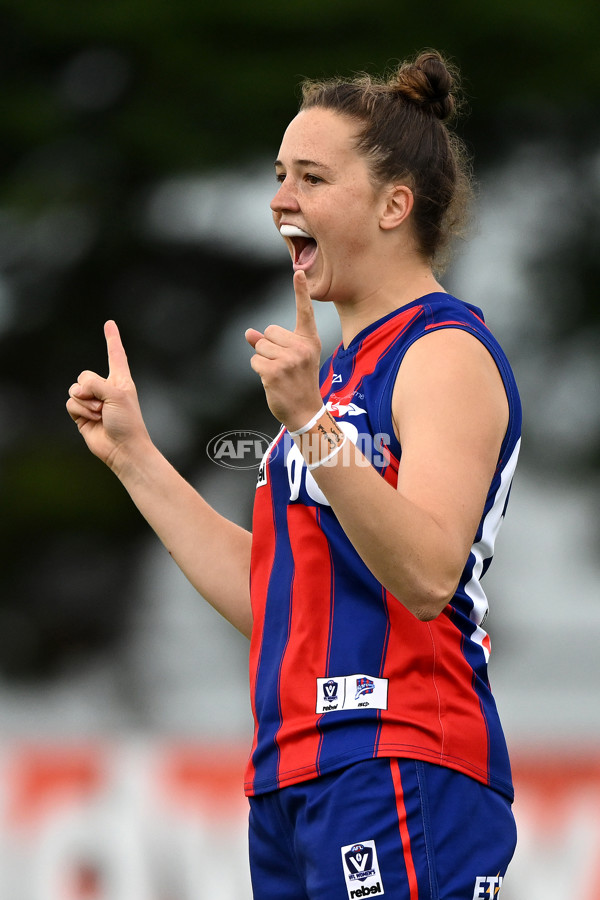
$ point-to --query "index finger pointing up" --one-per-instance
(305, 314)
(118, 367)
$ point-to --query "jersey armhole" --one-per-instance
(385, 423)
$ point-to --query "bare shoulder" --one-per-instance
(450, 348)
(449, 372)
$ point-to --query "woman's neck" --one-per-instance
(359, 313)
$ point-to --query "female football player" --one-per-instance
(379, 764)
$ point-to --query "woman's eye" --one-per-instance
(279, 177)
(312, 179)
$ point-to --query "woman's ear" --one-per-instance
(399, 202)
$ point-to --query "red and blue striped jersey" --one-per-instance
(340, 670)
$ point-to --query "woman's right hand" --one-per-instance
(107, 411)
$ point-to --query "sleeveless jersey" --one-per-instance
(340, 671)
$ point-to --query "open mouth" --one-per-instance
(304, 246)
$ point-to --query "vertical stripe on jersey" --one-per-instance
(476, 644)
(449, 733)
(380, 674)
(413, 697)
(263, 554)
(352, 649)
(271, 555)
(483, 549)
(306, 643)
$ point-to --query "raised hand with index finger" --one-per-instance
(288, 362)
(106, 410)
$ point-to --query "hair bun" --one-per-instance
(427, 82)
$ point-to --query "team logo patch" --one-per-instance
(351, 692)
(361, 870)
(363, 686)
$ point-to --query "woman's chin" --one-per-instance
(318, 288)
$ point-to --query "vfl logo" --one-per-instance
(337, 379)
(359, 862)
(363, 686)
(330, 689)
(361, 870)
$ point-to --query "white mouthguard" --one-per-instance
(293, 231)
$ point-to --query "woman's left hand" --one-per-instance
(288, 362)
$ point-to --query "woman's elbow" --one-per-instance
(427, 602)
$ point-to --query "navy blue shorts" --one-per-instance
(401, 828)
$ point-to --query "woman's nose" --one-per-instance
(285, 197)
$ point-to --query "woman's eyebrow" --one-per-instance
(305, 163)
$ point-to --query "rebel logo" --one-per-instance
(366, 891)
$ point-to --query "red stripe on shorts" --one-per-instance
(404, 833)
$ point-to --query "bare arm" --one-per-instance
(451, 412)
(213, 552)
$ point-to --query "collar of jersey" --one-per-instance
(356, 341)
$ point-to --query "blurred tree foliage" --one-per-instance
(100, 103)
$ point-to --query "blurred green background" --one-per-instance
(112, 111)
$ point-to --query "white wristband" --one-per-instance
(319, 462)
(310, 424)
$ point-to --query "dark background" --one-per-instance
(100, 104)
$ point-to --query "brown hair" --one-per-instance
(404, 135)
